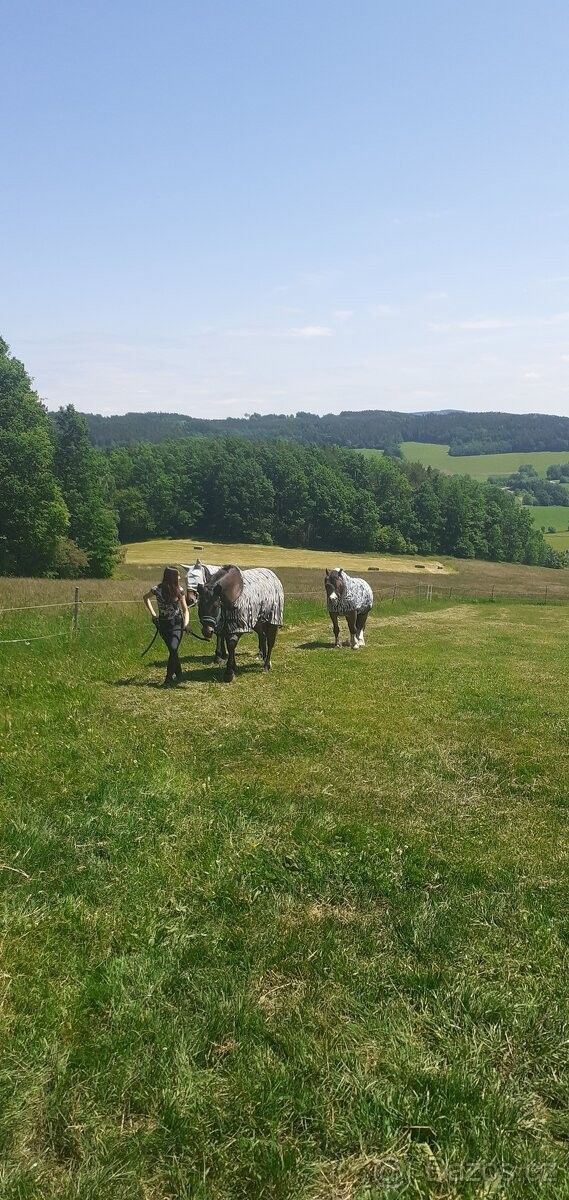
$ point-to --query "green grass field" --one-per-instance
(479, 466)
(551, 514)
(304, 936)
(559, 541)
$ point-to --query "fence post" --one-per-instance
(492, 596)
(545, 597)
(394, 593)
(75, 621)
(429, 592)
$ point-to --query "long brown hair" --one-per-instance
(170, 585)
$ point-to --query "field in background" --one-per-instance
(551, 514)
(301, 570)
(559, 541)
(300, 936)
(479, 466)
(247, 555)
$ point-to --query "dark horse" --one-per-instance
(352, 598)
(196, 575)
(235, 602)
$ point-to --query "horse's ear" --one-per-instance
(230, 585)
(200, 588)
(327, 571)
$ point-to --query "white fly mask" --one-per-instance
(195, 576)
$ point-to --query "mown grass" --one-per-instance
(249, 554)
(479, 466)
(303, 936)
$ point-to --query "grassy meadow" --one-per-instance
(559, 541)
(479, 466)
(300, 936)
(554, 515)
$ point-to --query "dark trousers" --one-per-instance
(171, 633)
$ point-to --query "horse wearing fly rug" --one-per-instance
(199, 575)
(351, 597)
(235, 602)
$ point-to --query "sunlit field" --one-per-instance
(479, 466)
(559, 541)
(555, 515)
(247, 555)
(304, 935)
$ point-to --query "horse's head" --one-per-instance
(220, 591)
(335, 584)
(209, 609)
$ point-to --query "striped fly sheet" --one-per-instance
(261, 601)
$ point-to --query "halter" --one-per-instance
(206, 621)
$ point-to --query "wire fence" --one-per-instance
(427, 592)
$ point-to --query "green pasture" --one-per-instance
(551, 514)
(301, 936)
(559, 541)
(479, 466)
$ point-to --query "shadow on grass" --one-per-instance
(316, 646)
(209, 674)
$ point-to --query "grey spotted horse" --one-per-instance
(352, 598)
(235, 602)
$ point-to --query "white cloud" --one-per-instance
(532, 375)
(343, 314)
(311, 331)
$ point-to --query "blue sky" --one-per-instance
(249, 206)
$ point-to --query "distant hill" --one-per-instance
(463, 432)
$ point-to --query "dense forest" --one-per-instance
(64, 504)
(57, 516)
(319, 497)
(465, 433)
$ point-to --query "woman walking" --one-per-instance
(171, 620)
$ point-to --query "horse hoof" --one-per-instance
(230, 677)
(267, 666)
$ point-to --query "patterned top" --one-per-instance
(262, 599)
(171, 611)
(358, 595)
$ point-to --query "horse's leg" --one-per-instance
(261, 631)
(231, 664)
(271, 636)
(336, 628)
(220, 650)
(361, 624)
(351, 619)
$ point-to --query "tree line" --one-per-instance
(526, 483)
(65, 505)
(464, 433)
(57, 515)
(316, 497)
